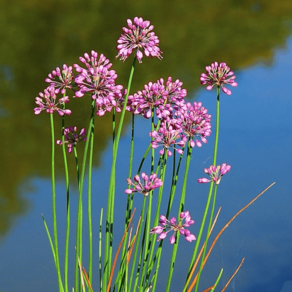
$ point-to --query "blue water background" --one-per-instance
(255, 138)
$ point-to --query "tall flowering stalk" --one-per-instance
(218, 75)
(47, 101)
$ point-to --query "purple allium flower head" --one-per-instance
(61, 79)
(48, 101)
(166, 226)
(175, 94)
(195, 122)
(215, 173)
(168, 136)
(140, 37)
(152, 96)
(98, 80)
(72, 137)
(219, 75)
(149, 183)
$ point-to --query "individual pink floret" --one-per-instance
(219, 75)
(48, 101)
(138, 36)
(149, 183)
(72, 137)
(166, 226)
(215, 173)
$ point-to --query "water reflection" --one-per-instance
(38, 36)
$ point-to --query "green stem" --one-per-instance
(123, 264)
(207, 237)
(210, 190)
(181, 208)
(100, 249)
(110, 206)
(215, 191)
(67, 205)
(149, 210)
(89, 197)
(217, 280)
(54, 207)
(80, 189)
(156, 218)
(78, 255)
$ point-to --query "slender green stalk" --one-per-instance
(199, 235)
(89, 198)
(49, 237)
(181, 208)
(67, 204)
(215, 191)
(174, 181)
(110, 206)
(78, 255)
(129, 202)
(217, 280)
(80, 189)
(210, 190)
(54, 207)
(156, 218)
(206, 240)
(149, 211)
(100, 250)
(136, 252)
(170, 200)
(217, 126)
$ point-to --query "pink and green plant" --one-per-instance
(174, 124)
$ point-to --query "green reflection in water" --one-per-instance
(37, 36)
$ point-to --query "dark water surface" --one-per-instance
(255, 130)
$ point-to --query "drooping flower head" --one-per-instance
(140, 37)
(72, 137)
(168, 136)
(195, 122)
(48, 101)
(98, 80)
(149, 183)
(166, 226)
(61, 79)
(215, 173)
(219, 75)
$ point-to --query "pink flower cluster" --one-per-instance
(48, 101)
(219, 75)
(179, 120)
(149, 183)
(72, 137)
(214, 173)
(140, 37)
(174, 226)
(98, 80)
(168, 136)
(61, 79)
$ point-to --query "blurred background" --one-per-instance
(252, 37)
